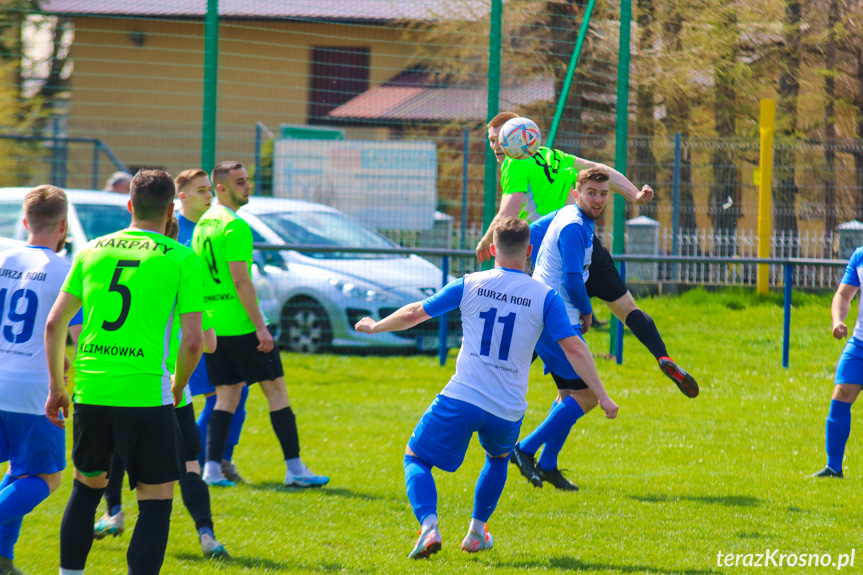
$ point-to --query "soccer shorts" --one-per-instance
(147, 439)
(189, 432)
(850, 366)
(199, 381)
(555, 360)
(31, 444)
(604, 280)
(444, 431)
(238, 360)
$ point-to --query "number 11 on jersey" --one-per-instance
(508, 322)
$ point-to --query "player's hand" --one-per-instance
(644, 196)
(365, 325)
(840, 330)
(586, 320)
(57, 404)
(483, 253)
(265, 340)
(609, 407)
(177, 392)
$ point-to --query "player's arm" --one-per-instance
(581, 359)
(447, 299)
(210, 341)
(249, 299)
(405, 318)
(510, 205)
(617, 182)
(839, 309)
(188, 353)
(61, 314)
(848, 287)
(572, 252)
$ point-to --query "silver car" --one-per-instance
(323, 295)
(94, 214)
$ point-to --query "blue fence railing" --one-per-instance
(622, 259)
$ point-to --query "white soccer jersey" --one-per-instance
(30, 280)
(503, 313)
(567, 247)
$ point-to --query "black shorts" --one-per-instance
(147, 440)
(604, 280)
(237, 360)
(189, 432)
(564, 383)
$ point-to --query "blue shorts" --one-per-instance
(444, 431)
(850, 366)
(199, 381)
(31, 444)
(552, 355)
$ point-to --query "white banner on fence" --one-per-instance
(386, 185)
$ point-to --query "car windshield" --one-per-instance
(326, 229)
(100, 219)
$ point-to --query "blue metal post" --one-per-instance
(257, 159)
(442, 349)
(786, 326)
(464, 174)
(675, 214)
(95, 166)
(619, 351)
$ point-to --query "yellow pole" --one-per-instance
(768, 116)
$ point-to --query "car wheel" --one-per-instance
(306, 328)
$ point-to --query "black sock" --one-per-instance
(196, 496)
(217, 434)
(644, 329)
(114, 491)
(285, 426)
(150, 539)
(76, 528)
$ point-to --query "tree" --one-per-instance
(645, 168)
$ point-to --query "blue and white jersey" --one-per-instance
(30, 281)
(564, 258)
(503, 312)
(853, 277)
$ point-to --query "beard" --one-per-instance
(589, 213)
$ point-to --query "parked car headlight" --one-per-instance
(359, 292)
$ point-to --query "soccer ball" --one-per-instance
(519, 138)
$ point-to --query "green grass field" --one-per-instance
(664, 488)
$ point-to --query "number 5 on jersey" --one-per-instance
(125, 295)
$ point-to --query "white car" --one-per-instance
(323, 295)
(94, 214)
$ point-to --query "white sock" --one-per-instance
(477, 526)
(428, 521)
(295, 466)
(71, 571)
(213, 469)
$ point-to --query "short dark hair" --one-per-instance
(501, 119)
(222, 170)
(152, 191)
(511, 236)
(187, 176)
(44, 207)
(598, 175)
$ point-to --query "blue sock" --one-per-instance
(838, 430)
(8, 536)
(21, 497)
(206, 531)
(236, 425)
(422, 492)
(203, 423)
(489, 486)
(558, 422)
(548, 457)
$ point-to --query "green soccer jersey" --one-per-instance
(545, 178)
(220, 237)
(131, 284)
